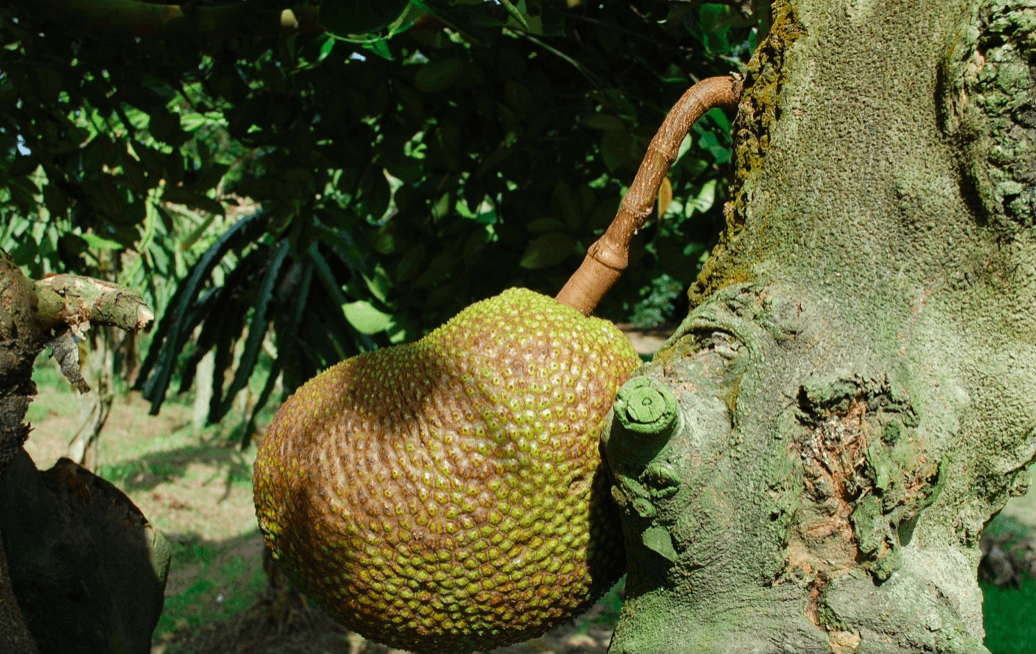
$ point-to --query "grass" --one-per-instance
(1010, 617)
(1009, 612)
(226, 579)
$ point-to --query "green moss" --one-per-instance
(759, 110)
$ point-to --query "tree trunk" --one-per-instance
(853, 389)
(67, 529)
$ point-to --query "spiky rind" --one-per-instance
(448, 495)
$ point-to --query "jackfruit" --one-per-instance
(449, 494)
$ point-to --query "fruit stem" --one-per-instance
(609, 256)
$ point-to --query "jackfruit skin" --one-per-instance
(449, 494)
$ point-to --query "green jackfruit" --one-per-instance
(448, 495)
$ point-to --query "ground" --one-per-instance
(196, 488)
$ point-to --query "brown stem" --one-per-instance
(609, 256)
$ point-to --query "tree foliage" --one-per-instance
(343, 190)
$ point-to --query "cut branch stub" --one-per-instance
(609, 255)
(72, 300)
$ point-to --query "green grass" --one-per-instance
(1010, 617)
(224, 586)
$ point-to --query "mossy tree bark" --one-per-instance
(855, 385)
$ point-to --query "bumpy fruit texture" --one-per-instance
(449, 495)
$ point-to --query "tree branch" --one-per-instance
(609, 256)
(74, 300)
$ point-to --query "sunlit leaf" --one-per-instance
(366, 318)
(100, 243)
(704, 200)
(516, 14)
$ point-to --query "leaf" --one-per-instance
(198, 232)
(173, 329)
(519, 97)
(471, 19)
(544, 225)
(710, 142)
(665, 196)
(705, 199)
(164, 126)
(25, 252)
(565, 202)
(95, 241)
(260, 403)
(177, 195)
(515, 14)
(379, 283)
(258, 327)
(366, 318)
(617, 150)
(605, 123)
(56, 199)
(546, 251)
(326, 49)
(344, 17)
(439, 74)
(380, 48)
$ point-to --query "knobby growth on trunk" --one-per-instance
(853, 389)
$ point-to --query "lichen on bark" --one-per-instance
(855, 377)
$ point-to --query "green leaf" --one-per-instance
(95, 241)
(379, 283)
(344, 17)
(606, 123)
(709, 142)
(565, 203)
(706, 198)
(366, 318)
(165, 126)
(258, 326)
(25, 252)
(617, 150)
(179, 196)
(515, 14)
(547, 250)
(326, 49)
(380, 48)
(439, 74)
(544, 225)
